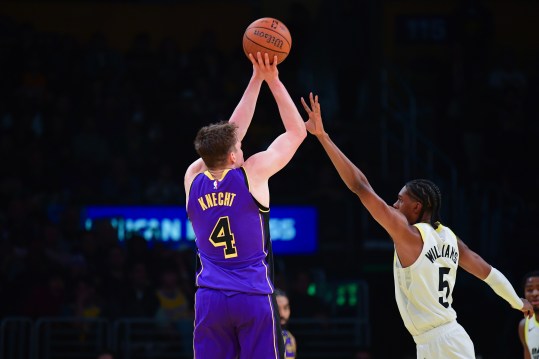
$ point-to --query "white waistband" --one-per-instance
(436, 332)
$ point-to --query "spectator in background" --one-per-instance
(86, 305)
(140, 297)
(113, 276)
(87, 302)
(290, 347)
(174, 313)
(173, 303)
(47, 298)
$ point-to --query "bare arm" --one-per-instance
(406, 238)
(472, 262)
(521, 335)
(265, 164)
(244, 111)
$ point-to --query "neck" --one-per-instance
(217, 172)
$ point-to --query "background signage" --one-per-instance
(293, 229)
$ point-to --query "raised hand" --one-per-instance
(263, 68)
(314, 125)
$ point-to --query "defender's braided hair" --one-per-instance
(429, 195)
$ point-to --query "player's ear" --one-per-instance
(232, 157)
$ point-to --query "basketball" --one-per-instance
(267, 35)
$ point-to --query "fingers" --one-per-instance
(315, 105)
(263, 60)
(252, 58)
(305, 106)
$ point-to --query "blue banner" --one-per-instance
(293, 229)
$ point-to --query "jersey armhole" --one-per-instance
(246, 179)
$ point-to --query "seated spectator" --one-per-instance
(139, 298)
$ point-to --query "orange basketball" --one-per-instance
(267, 35)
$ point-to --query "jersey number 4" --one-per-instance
(443, 287)
(222, 236)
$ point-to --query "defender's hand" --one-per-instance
(314, 125)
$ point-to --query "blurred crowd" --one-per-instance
(84, 123)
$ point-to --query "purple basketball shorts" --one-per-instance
(232, 325)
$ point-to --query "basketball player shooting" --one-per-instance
(228, 203)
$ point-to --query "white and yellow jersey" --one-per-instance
(531, 335)
(424, 290)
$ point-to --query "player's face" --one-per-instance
(284, 308)
(407, 205)
(531, 292)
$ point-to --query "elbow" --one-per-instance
(303, 132)
(358, 186)
(300, 133)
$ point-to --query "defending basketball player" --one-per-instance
(228, 201)
(528, 328)
(427, 254)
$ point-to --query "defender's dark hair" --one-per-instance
(533, 273)
(214, 142)
(429, 195)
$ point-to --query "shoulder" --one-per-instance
(193, 170)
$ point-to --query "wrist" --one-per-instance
(323, 136)
(273, 81)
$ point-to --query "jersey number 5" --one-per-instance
(221, 236)
(442, 285)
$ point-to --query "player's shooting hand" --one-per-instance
(527, 309)
(314, 125)
(263, 68)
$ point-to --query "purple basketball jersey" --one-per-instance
(232, 234)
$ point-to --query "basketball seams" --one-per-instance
(268, 30)
(267, 48)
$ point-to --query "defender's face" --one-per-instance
(531, 292)
(407, 205)
(284, 308)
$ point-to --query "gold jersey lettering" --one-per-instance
(216, 199)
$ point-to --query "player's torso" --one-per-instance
(531, 334)
(424, 290)
(231, 233)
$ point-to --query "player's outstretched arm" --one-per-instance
(265, 164)
(245, 109)
(388, 217)
(476, 265)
